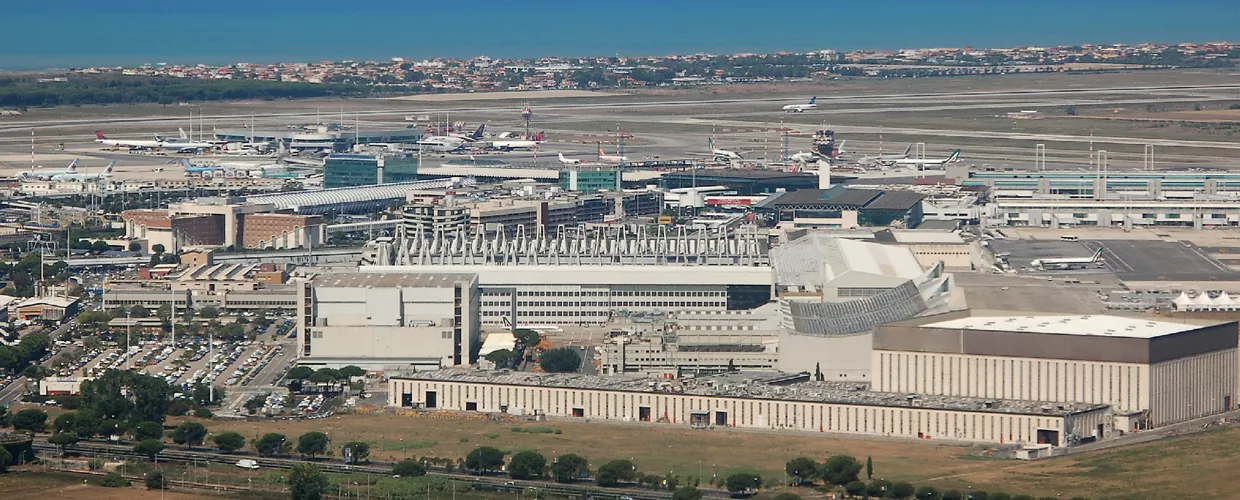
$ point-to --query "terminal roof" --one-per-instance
(391, 280)
(1089, 324)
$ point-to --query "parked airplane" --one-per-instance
(885, 160)
(44, 175)
(1061, 263)
(800, 108)
(606, 158)
(922, 163)
(191, 169)
(449, 143)
(159, 143)
(107, 172)
(509, 145)
(720, 154)
(569, 161)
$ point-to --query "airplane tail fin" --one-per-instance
(813, 100)
(182, 131)
(99, 135)
(73, 165)
(185, 163)
(1097, 255)
(478, 133)
(600, 150)
(539, 137)
(111, 166)
(710, 143)
(955, 157)
(908, 150)
(840, 149)
(506, 322)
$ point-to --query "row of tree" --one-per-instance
(26, 91)
(31, 348)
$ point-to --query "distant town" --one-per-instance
(484, 73)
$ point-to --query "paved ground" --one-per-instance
(1134, 260)
(1027, 293)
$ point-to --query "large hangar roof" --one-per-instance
(1113, 326)
(816, 259)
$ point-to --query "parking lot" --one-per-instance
(1144, 260)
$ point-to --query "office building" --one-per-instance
(353, 170)
(844, 208)
(588, 180)
(389, 320)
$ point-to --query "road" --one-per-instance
(14, 390)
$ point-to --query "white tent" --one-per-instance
(1183, 301)
(1203, 300)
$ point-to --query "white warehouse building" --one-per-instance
(383, 321)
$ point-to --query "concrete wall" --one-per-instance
(843, 358)
(1188, 388)
(903, 422)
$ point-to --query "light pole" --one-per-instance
(128, 339)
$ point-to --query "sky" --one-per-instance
(62, 33)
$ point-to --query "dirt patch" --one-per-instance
(37, 486)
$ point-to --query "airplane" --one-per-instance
(49, 174)
(720, 154)
(158, 143)
(191, 169)
(449, 143)
(921, 164)
(606, 158)
(800, 108)
(186, 138)
(1062, 263)
(837, 154)
(107, 173)
(886, 160)
(569, 161)
(537, 328)
(507, 145)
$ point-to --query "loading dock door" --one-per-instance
(643, 413)
(432, 399)
(1048, 436)
(406, 400)
(721, 418)
(699, 419)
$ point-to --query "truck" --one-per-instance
(247, 463)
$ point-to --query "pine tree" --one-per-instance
(869, 469)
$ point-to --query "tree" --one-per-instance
(801, 470)
(30, 419)
(228, 442)
(5, 459)
(189, 434)
(501, 357)
(569, 468)
(840, 470)
(65, 422)
(687, 493)
(1000, 496)
(927, 493)
(87, 423)
(114, 480)
(134, 246)
(484, 458)
(109, 427)
(787, 496)
(359, 450)
(952, 495)
(300, 373)
(902, 490)
(561, 360)
(527, 465)
(855, 488)
(312, 443)
(63, 440)
(325, 375)
(1022, 497)
(409, 468)
(982, 495)
(149, 447)
(157, 248)
(155, 480)
(271, 444)
(869, 468)
(352, 371)
(209, 312)
(878, 488)
(526, 337)
(307, 482)
(615, 471)
(147, 430)
(139, 312)
(742, 482)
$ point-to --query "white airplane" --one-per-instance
(186, 138)
(159, 143)
(509, 145)
(921, 164)
(569, 161)
(720, 154)
(107, 173)
(606, 158)
(800, 108)
(886, 160)
(49, 174)
(1068, 262)
(449, 143)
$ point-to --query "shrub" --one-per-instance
(114, 480)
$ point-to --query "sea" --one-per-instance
(81, 33)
